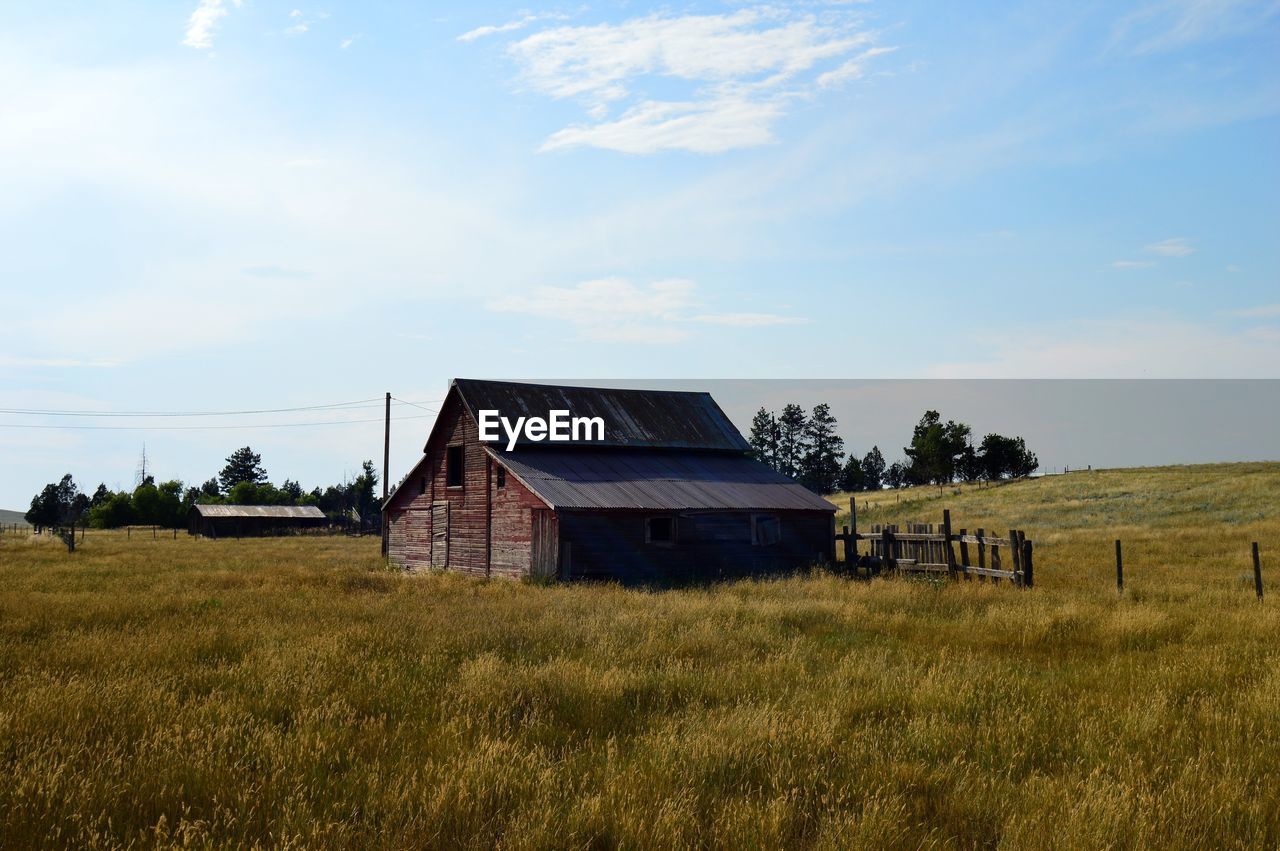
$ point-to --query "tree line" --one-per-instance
(242, 481)
(806, 446)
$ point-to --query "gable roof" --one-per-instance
(645, 419)
(272, 511)
(662, 480)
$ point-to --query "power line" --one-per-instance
(208, 427)
(56, 412)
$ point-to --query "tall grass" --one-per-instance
(295, 693)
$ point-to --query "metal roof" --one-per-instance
(658, 480)
(650, 419)
(271, 511)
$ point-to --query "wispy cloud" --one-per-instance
(509, 26)
(204, 22)
(1170, 24)
(1132, 264)
(1176, 247)
(731, 76)
(616, 310)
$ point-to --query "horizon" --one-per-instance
(251, 205)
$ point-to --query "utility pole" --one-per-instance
(386, 465)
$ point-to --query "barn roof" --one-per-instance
(649, 419)
(270, 511)
(658, 480)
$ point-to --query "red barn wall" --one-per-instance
(489, 527)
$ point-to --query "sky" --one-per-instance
(245, 205)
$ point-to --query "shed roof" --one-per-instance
(658, 480)
(270, 511)
(650, 419)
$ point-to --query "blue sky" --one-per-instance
(221, 205)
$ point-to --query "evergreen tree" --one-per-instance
(873, 469)
(851, 478)
(896, 475)
(765, 434)
(243, 465)
(820, 464)
(935, 449)
(57, 503)
(792, 440)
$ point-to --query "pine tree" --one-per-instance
(820, 464)
(243, 465)
(851, 478)
(764, 438)
(873, 468)
(792, 439)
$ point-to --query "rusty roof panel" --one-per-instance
(660, 481)
(648, 419)
(309, 512)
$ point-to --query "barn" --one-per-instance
(670, 493)
(235, 521)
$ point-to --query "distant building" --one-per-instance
(670, 494)
(234, 521)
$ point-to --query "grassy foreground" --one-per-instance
(294, 693)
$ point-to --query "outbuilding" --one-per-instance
(669, 493)
(235, 521)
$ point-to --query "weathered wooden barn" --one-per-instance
(669, 495)
(236, 521)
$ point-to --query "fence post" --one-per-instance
(1257, 571)
(982, 552)
(1015, 557)
(949, 553)
(1028, 570)
(1119, 569)
(964, 554)
(886, 548)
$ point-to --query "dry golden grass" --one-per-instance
(293, 693)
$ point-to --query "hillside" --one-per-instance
(8, 517)
(294, 692)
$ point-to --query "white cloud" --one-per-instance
(509, 26)
(616, 310)
(730, 76)
(1176, 247)
(1132, 264)
(204, 21)
(348, 41)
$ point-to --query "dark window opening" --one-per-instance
(502, 477)
(766, 530)
(453, 467)
(422, 485)
(660, 530)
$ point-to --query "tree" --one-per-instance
(169, 511)
(851, 476)
(291, 491)
(765, 434)
(791, 439)
(146, 505)
(896, 475)
(873, 469)
(820, 464)
(243, 465)
(99, 496)
(211, 489)
(57, 504)
(366, 503)
(935, 449)
(1002, 457)
(113, 512)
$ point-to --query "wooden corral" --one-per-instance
(670, 494)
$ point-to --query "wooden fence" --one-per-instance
(922, 548)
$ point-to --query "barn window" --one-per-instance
(422, 485)
(766, 529)
(453, 467)
(502, 477)
(660, 530)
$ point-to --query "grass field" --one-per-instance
(295, 693)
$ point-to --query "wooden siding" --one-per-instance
(709, 545)
(488, 528)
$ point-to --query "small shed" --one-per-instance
(669, 494)
(235, 521)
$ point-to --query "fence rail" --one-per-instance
(924, 548)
